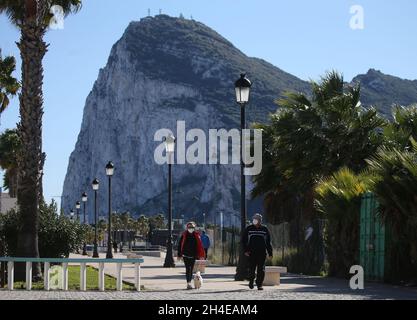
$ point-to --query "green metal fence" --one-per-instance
(372, 240)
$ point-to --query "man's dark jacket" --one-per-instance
(257, 240)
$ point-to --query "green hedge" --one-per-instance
(58, 236)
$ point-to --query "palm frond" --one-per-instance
(16, 9)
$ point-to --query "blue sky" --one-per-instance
(302, 37)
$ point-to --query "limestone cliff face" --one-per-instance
(162, 70)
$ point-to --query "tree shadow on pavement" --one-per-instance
(320, 285)
(221, 277)
(201, 291)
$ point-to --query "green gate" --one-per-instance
(372, 240)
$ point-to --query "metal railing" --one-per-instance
(83, 271)
(148, 248)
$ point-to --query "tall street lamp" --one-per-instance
(242, 88)
(170, 149)
(84, 200)
(95, 186)
(109, 173)
(78, 206)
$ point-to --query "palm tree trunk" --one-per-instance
(15, 183)
(31, 160)
(12, 175)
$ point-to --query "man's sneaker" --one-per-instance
(251, 285)
(189, 287)
(260, 288)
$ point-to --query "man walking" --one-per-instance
(257, 242)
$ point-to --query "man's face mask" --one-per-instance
(255, 222)
(190, 230)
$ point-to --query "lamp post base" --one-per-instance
(169, 260)
(109, 254)
(242, 267)
(169, 264)
(95, 252)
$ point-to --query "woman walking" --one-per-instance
(190, 248)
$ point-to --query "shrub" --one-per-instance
(58, 235)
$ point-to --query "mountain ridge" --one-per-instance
(383, 90)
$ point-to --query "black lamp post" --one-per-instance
(72, 215)
(242, 88)
(84, 200)
(170, 149)
(78, 206)
(109, 173)
(95, 186)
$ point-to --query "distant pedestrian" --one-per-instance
(257, 242)
(205, 239)
(190, 249)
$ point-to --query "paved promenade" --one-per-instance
(169, 284)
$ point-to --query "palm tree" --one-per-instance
(101, 227)
(127, 223)
(310, 138)
(9, 86)
(157, 221)
(10, 146)
(338, 199)
(32, 17)
(395, 186)
(142, 224)
(397, 133)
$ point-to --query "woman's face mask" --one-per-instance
(190, 230)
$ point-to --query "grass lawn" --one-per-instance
(74, 281)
